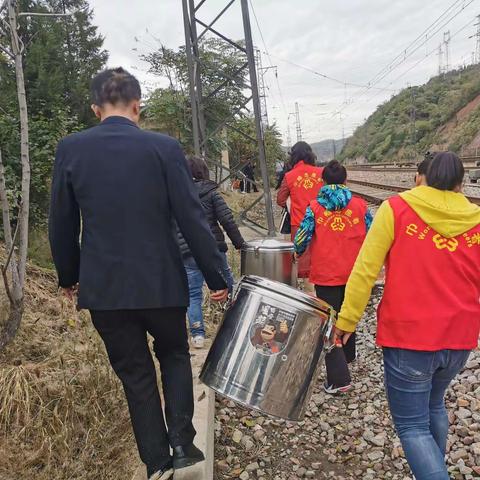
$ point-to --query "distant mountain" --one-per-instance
(327, 149)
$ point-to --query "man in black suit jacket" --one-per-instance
(121, 189)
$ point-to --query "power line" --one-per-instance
(429, 54)
(426, 56)
(391, 68)
(425, 34)
(323, 75)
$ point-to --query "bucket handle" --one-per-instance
(329, 335)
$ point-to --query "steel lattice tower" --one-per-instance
(191, 11)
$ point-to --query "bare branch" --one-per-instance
(12, 249)
(35, 14)
(4, 4)
(7, 287)
(23, 216)
(7, 233)
(7, 53)
(4, 204)
(6, 25)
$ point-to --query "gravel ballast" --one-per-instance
(344, 437)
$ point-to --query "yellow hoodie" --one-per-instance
(448, 213)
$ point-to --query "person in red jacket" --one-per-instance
(335, 226)
(429, 316)
(302, 184)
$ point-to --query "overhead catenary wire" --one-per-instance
(421, 60)
(392, 67)
(323, 75)
(422, 35)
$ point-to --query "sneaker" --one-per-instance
(198, 341)
(164, 474)
(333, 390)
(186, 456)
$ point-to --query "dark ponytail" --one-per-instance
(334, 173)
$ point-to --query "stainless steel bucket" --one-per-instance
(270, 258)
(268, 347)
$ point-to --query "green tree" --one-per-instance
(219, 61)
(60, 57)
(242, 148)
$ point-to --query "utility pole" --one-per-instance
(298, 125)
(446, 42)
(262, 89)
(477, 41)
(289, 135)
(440, 59)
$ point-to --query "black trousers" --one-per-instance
(338, 359)
(124, 333)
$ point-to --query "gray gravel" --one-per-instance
(344, 437)
(404, 179)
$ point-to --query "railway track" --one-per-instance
(375, 168)
(376, 193)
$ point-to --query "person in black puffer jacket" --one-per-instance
(218, 215)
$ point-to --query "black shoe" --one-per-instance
(186, 456)
(164, 473)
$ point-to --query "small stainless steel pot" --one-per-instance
(270, 258)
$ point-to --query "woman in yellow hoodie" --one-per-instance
(429, 317)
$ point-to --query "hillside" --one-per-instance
(443, 114)
(327, 149)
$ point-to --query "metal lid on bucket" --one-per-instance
(269, 244)
(287, 291)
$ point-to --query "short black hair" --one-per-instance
(302, 151)
(422, 167)
(445, 172)
(334, 173)
(198, 167)
(115, 86)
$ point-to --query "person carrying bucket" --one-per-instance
(429, 316)
(335, 226)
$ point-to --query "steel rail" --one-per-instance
(374, 168)
(370, 196)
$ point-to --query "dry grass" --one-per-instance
(62, 411)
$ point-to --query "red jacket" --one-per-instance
(431, 299)
(302, 184)
(338, 237)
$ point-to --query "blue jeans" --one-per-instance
(195, 287)
(416, 382)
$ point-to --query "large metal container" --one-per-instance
(268, 347)
(270, 258)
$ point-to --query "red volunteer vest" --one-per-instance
(338, 238)
(431, 299)
(304, 181)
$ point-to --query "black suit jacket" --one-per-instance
(120, 188)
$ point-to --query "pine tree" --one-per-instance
(61, 56)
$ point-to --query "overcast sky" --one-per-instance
(349, 40)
